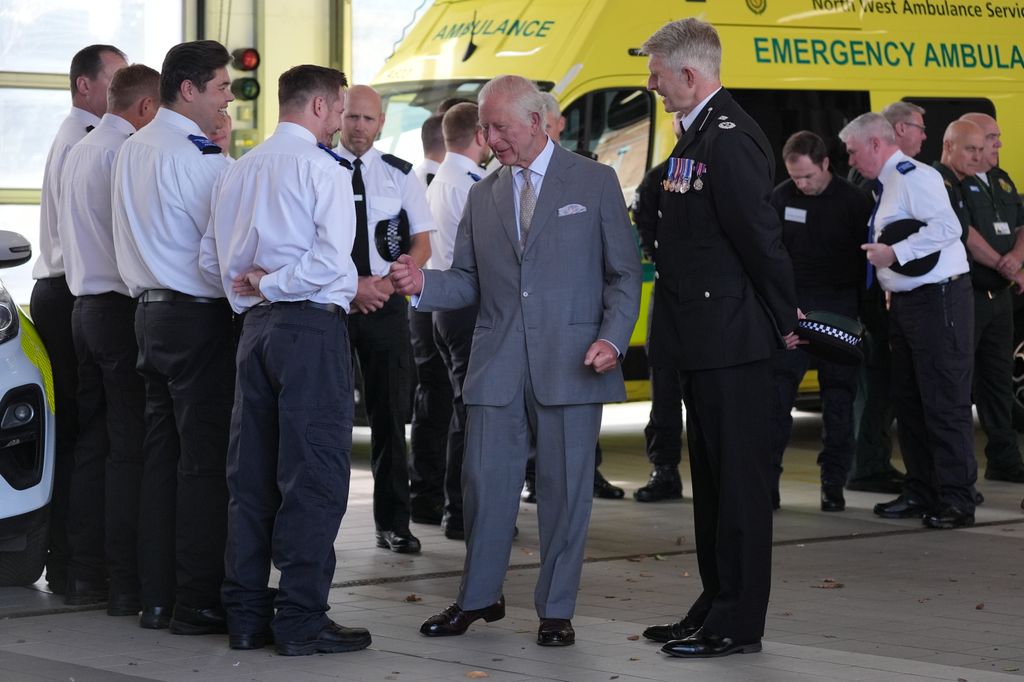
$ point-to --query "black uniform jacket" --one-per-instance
(725, 294)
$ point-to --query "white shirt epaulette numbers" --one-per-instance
(162, 189)
(447, 196)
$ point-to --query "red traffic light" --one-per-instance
(245, 59)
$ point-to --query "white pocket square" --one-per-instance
(571, 209)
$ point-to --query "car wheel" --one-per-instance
(24, 565)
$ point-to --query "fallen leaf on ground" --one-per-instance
(413, 597)
(634, 658)
(646, 575)
(679, 540)
(476, 674)
(980, 606)
(829, 584)
(658, 557)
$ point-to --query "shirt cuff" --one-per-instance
(618, 353)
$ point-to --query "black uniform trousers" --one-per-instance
(431, 414)
(105, 485)
(50, 306)
(727, 432)
(838, 384)
(663, 434)
(993, 376)
(932, 338)
(873, 408)
(453, 332)
(288, 468)
(186, 357)
(380, 341)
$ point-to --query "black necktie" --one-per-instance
(361, 247)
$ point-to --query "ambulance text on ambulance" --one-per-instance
(871, 53)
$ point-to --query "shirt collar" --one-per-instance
(540, 164)
(368, 158)
(175, 120)
(118, 123)
(889, 167)
(462, 162)
(691, 117)
(85, 117)
(295, 130)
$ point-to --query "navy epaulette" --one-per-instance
(476, 178)
(398, 163)
(905, 167)
(342, 161)
(204, 145)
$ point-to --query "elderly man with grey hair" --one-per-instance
(931, 326)
(545, 249)
(907, 121)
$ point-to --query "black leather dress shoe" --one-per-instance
(399, 541)
(948, 516)
(529, 494)
(155, 617)
(555, 632)
(198, 621)
(605, 490)
(454, 620)
(707, 645)
(333, 639)
(453, 530)
(250, 640)
(124, 605)
(902, 508)
(671, 631)
(889, 483)
(832, 499)
(664, 484)
(81, 592)
(1008, 474)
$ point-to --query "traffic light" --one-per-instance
(245, 59)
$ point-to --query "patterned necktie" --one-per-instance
(361, 246)
(527, 202)
(871, 233)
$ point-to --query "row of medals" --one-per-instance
(678, 174)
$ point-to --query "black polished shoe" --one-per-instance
(671, 631)
(529, 494)
(902, 507)
(453, 530)
(155, 617)
(706, 645)
(664, 484)
(250, 640)
(82, 592)
(123, 605)
(332, 639)
(605, 490)
(429, 513)
(1010, 475)
(832, 499)
(948, 516)
(399, 541)
(889, 483)
(555, 632)
(198, 621)
(454, 620)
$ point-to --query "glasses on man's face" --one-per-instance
(916, 125)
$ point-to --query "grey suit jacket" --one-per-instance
(577, 280)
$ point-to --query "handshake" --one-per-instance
(373, 292)
(406, 276)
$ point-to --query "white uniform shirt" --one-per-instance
(423, 169)
(447, 197)
(286, 208)
(918, 192)
(51, 257)
(161, 197)
(388, 190)
(85, 219)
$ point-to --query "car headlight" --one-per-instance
(8, 316)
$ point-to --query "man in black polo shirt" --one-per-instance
(824, 222)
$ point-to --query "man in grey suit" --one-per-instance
(545, 249)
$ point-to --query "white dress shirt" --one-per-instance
(51, 257)
(918, 193)
(286, 208)
(537, 170)
(687, 121)
(162, 188)
(85, 220)
(425, 168)
(388, 190)
(447, 197)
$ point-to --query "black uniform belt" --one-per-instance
(930, 285)
(169, 296)
(332, 308)
(111, 296)
(992, 294)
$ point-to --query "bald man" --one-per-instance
(996, 245)
(384, 187)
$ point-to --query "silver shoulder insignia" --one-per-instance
(726, 125)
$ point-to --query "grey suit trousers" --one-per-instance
(497, 446)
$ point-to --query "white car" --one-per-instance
(26, 433)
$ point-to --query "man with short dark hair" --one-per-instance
(823, 225)
(432, 140)
(163, 179)
(104, 502)
(51, 303)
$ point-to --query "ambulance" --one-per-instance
(792, 64)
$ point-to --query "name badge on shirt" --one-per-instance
(796, 215)
(1002, 228)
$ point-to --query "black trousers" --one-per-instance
(727, 427)
(932, 338)
(664, 431)
(453, 333)
(993, 376)
(873, 409)
(105, 485)
(380, 342)
(288, 468)
(50, 306)
(431, 414)
(186, 357)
